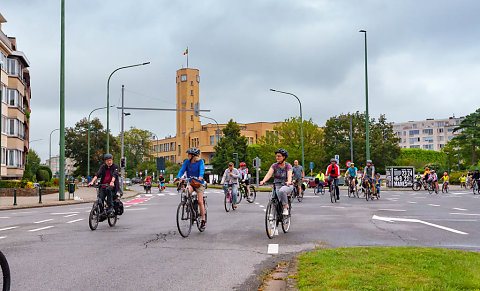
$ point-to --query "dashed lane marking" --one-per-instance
(455, 213)
(64, 213)
(434, 205)
(256, 203)
(41, 228)
(2, 237)
(7, 228)
(72, 221)
(393, 210)
(412, 202)
(461, 209)
(4, 217)
(261, 206)
(70, 215)
(161, 194)
(133, 209)
(272, 249)
(148, 195)
(172, 194)
(42, 221)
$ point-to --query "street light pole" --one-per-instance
(366, 100)
(301, 121)
(61, 192)
(50, 150)
(108, 100)
(351, 139)
(88, 138)
(218, 127)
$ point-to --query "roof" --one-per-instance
(22, 56)
(2, 19)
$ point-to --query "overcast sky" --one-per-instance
(423, 57)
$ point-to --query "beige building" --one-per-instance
(55, 166)
(429, 134)
(15, 106)
(191, 132)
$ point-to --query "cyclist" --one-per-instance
(230, 177)
(282, 174)
(463, 180)
(107, 174)
(298, 175)
(378, 183)
(244, 176)
(476, 178)
(433, 179)
(469, 179)
(426, 175)
(333, 172)
(445, 178)
(194, 168)
(161, 182)
(369, 174)
(319, 180)
(351, 174)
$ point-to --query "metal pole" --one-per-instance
(351, 140)
(367, 117)
(301, 122)
(14, 197)
(50, 150)
(61, 192)
(123, 124)
(218, 127)
(108, 100)
(88, 138)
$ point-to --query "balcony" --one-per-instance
(5, 40)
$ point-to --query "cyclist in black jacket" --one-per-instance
(476, 178)
(108, 174)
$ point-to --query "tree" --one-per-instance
(232, 142)
(76, 145)
(469, 137)
(137, 144)
(384, 148)
(31, 167)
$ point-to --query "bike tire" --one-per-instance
(349, 192)
(227, 202)
(5, 272)
(199, 218)
(112, 220)
(416, 186)
(315, 191)
(332, 196)
(271, 219)
(286, 221)
(430, 189)
(93, 217)
(253, 194)
(367, 193)
(300, 197)
(184, 218)
(240, 194)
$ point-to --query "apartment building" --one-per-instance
(15, 96)
(191, 132)
(54, 164)
(429, 134)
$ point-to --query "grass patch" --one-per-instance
(389, 268)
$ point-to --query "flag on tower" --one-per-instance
(186, 52)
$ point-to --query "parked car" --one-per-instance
(128, 182)
(310, 181)
(136, 180)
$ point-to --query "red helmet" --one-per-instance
(445, 173)
(242, 164)
(426, 168)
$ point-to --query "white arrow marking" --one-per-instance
(392, 219)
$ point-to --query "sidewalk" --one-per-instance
(82, 195)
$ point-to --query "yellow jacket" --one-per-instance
(320, 177)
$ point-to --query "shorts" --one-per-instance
(299, 181)
(200, 189)
(246, 182)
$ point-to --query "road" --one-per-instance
(52, 248)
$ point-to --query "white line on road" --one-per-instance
(137, 209)
(7, 228)
(4, 217)
(41, 228)
(160, 194)
(394, 210)
(261, 206)
(461, 209)
(420, 197)
(148, 195)
(2, 237)
(44, 220)
(392, 219)
(412, 202)
(265, 210)
(64, 213)
(338, 207)
(468, 214)
(70, 215)
(72, 221)
(256, 203)
(172, 194)
(272, 249)
(434, 205)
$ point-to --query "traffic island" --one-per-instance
(388, 268)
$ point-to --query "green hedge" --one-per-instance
(419, 158)
(454, 177)
(11, 184)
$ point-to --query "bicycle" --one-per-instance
(418, 184)
(228, 200)
(332, 189)
(243, 190)
(475, 187)
(432, 188)
(352, 190)
(188, 212)
(319, 189)
(445, 187)
(295, 193)
(5, 283)
(368, 191)
(99, 210)
(274, 214)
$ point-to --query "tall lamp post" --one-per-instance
(301, 121)
(61, 190)
(50, 150)
(88, 138)
(217, 132)
(367, 117)
(108, 100)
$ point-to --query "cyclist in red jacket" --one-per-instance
(333, 172)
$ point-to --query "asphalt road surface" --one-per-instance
(52, 248)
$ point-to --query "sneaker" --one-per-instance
(203, 224)
(285, 211)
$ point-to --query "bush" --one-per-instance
(455, 176)
(45, 168)
(10, 184)
(420, 158)
(42, 175)
(29, 185)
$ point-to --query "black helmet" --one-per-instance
(194, 151)
(107, 157)
(282, 152)
(476, 170)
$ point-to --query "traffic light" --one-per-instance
(123, 162)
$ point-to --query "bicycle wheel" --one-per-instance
(332, 196)
(112, 220)
(253, 194)
(271, 219)
(446, 188)
(315, 191)
(416, 186)
(367, 193)
(184, 218)
(436, 189)
(356, 191)
(349, 191)
(199, 217)
(287, 220)
(94, 216)
(240, 194)
(227, 201)
(5, 272)
(430, 189)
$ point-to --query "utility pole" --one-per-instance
(367, 117)
(351, 140)
(123, 124)
(61, 190)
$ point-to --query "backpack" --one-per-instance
(118, 206)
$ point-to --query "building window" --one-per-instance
(15, 158)
(3, 61)
(428, 146)
(191, 83)
(198, 79)
(191, 117)
(440, 138)
(441, 145)
(450, 129)
(441, 123)
(191, 92)
(12, 67)
(191, 129)
(428, 139)
(191, 105)
(413, 132)
(428, 131)
(156, 148)
(212, 140)
(414, 140)
(414, 125)
(440, 130)
(183, 78)
(414, 146)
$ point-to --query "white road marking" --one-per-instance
(148, 195)
(161, 194)
(44, 220)
(434, 205)
(41, 228)
(24, 212)
(265, 210)
(70, 215)
(326, 206)
(412, 202)
(4, 217)
(256, 203)
(392, 219)
(338, 207)
(468, 214)
(64, 213)
(137, 209)
(128, 206)
(2, 237)
(461, 209)
(272, 249)
(172, 194)
(420, 197)
(7, 228)
(72, 221)
(261, 206)
(394, 210)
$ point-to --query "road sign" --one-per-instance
(257, 162)
(146, 172)
(161, 164)
(348, 163)
(140, 173)
(337, 157)
(136, 174)
(311, 165)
